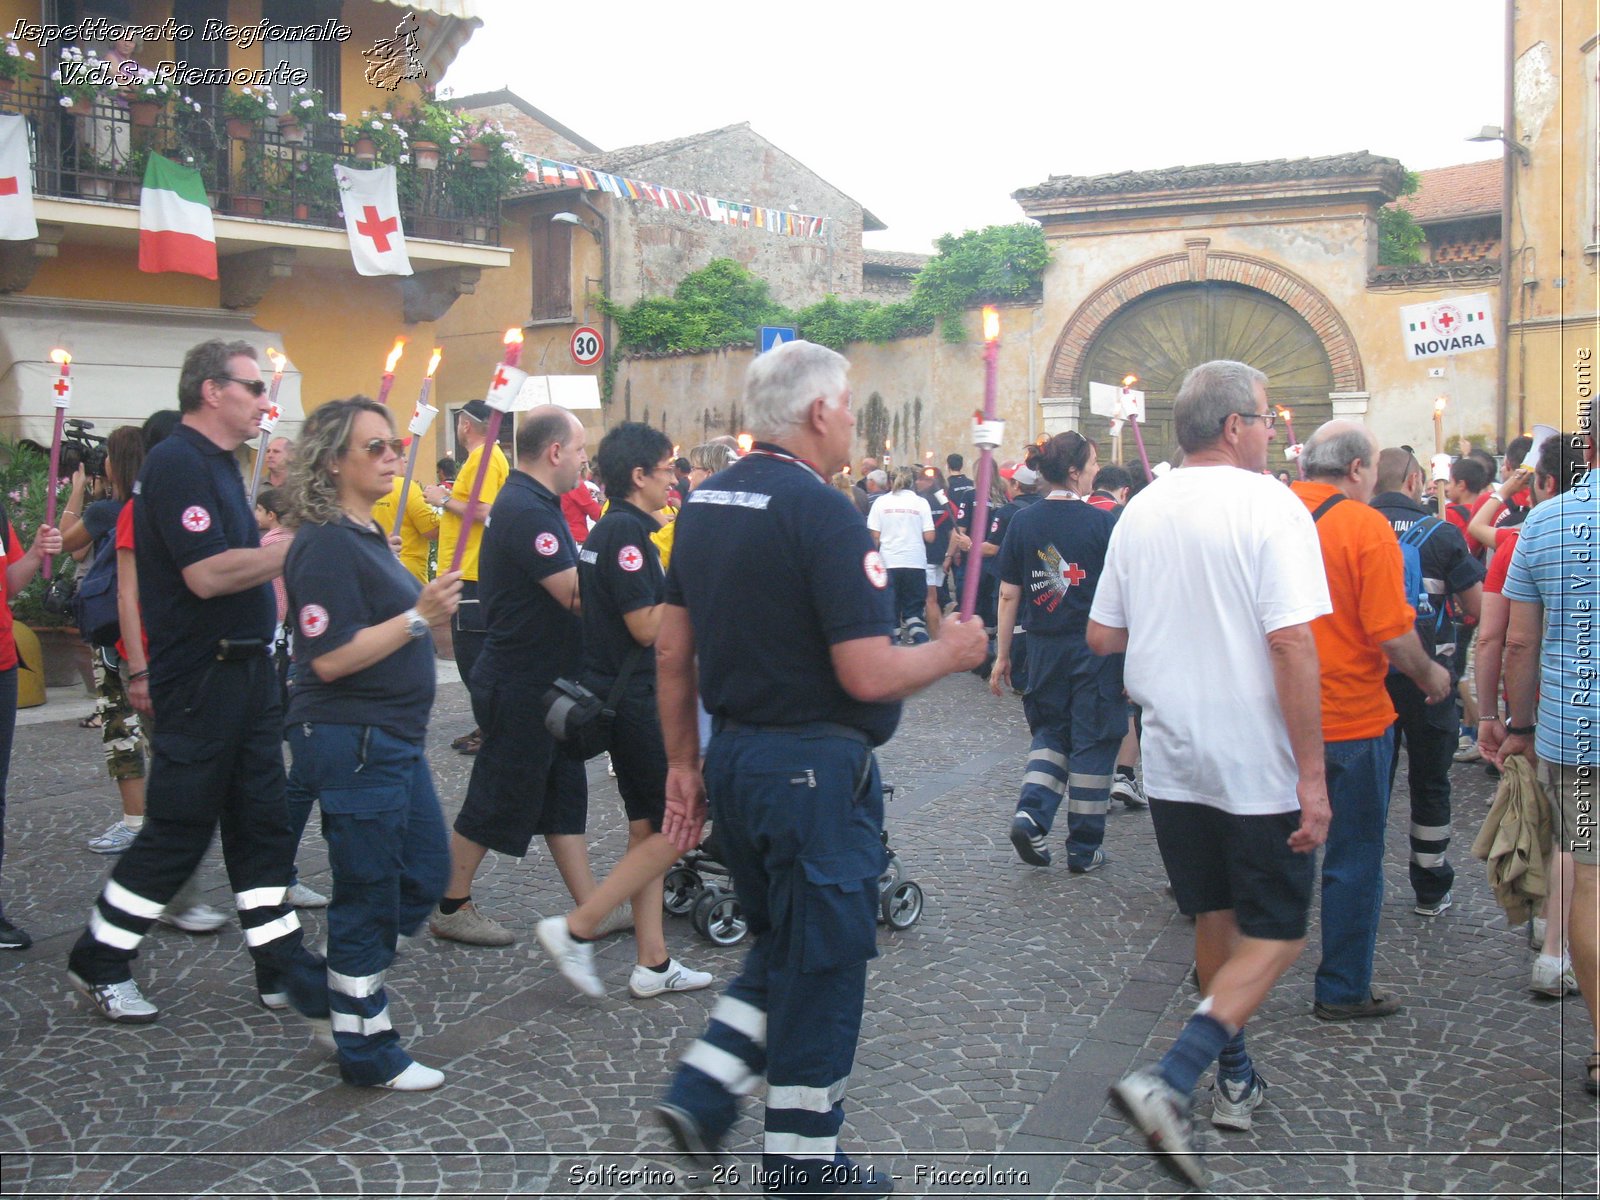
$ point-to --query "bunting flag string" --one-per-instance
(551, 173)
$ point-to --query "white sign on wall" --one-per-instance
(1109, 400)
(1457, 325)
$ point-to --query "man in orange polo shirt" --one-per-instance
(1370, 632)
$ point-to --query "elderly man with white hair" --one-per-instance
(777, 612)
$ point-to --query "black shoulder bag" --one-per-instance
(579, 719)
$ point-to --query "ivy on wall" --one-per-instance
(1400, 238)
(723, 304)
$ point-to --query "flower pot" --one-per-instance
(249, 206)
(144, 113)
(81, 108)
(302, 211)
(427, 155)
(94, 187)
(125, 191)
(365, 149)
(239, 129)
(290, 129)
(67, 658)
(478, 154)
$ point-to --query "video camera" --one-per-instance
(79, 447)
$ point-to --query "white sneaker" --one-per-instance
(113, 841)
(322, 1031)
(645, 983)
(1552, 977)
(198, 918)
(615, 921)
(300, 896)
(120, 1002)
(1126, 789)
(415, 1078)
(574, 959)
(1467, 750)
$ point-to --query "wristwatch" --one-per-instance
(1521, 730)
(416, 627)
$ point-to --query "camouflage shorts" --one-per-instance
(121, 732)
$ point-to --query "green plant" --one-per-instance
(1002, 262)
(249, 103)
(153, 91)
(80, 78)
(1400, 238)
(23, 488)
(308, 106)
(429, 121)
(15, 62)
(390, 138)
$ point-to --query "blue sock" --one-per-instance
(1196, 1049)
(1233, 1064)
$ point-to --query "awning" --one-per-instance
(125, 361)
(443, 27)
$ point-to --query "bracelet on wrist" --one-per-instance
(135, 676)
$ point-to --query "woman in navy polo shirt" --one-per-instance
(359, 697)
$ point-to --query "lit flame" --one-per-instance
(991, 322)
(277, 360)
(745, 442)
(513, 337)
(1286, 413)
(1438, 405)
(1129, 380)
(433, 362)
(888, 445)
(394, 355)
(60, 356)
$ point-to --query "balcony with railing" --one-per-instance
(276, 169)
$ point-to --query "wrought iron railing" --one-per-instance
(98, 151)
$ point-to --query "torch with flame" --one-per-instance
(985, 478)
(60, 396)
(503, 388)
(421, 418)
(269, 419)
(389, 365)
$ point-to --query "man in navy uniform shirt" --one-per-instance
(1429, 731)
(528, 582)
(776, 589)
(217, 742)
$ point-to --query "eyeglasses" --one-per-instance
(1271, 418)
(256, 387)
(377, 446)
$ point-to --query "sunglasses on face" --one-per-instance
(256, 387)
(377, 446)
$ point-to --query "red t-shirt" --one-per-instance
(1505, 541)
(580, 507)
(124, 541)
(8, 644)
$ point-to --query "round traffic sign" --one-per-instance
(587, 346)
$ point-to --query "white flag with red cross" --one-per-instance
(16, 181)
(372, 219)
(504, 388)
(269, 419)
(1455, 325)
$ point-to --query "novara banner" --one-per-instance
(1458, 325)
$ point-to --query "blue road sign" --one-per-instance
(775, 335)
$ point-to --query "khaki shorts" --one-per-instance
(1573, 808)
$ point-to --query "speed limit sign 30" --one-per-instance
(587, 346)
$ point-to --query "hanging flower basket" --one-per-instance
(427, 155)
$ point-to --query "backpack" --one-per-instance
(95, 605)
(1431, 618)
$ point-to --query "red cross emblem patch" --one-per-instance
(1072, 574)
(313, 620)
(196, 519)
(877, 573)
(546, 544)
(629, 558)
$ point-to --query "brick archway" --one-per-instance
(1197, 266)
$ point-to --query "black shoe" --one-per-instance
(12, 938)
(1377, 1005)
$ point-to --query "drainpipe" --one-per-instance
(1508, 168)
(605, 267)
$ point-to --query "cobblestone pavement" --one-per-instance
(993, 1026)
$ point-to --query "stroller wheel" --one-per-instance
(902, 907)
(718, 918)
(890, 877)
(680, 890)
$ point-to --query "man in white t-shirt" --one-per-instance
(902, 524)
(1211, 582)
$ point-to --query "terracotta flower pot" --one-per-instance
(240, 130)
(426, 155)
(94, 187)
(290, 129)
(144, 113)
(478, 154)
(249, 206)
(365, 149)
(302, 211)
(81, 108)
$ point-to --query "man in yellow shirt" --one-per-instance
(472, 430)
(419, 527)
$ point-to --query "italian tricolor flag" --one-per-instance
(175, 230)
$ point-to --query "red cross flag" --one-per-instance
(16, 181)
(372, 219)
(504, 387)
(1456, 325)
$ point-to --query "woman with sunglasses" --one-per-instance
(359, 697)
(1050, 563)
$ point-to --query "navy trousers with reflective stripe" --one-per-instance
(1078, 717)
(799, 822)
(390, 858)
(1430, 734)
(216, 763)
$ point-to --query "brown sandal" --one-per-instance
(92, 721)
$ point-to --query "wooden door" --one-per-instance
(1163, 334)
